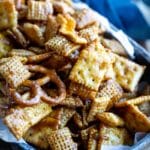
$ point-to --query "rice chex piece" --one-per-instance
(61, 140)
(39, 10)
(14, 72)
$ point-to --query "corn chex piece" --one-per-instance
(127, 73)
(84, 18)
(5, 45)
(34, 33)
(134, 119)
(111, 89)
(61, 140)
(21, 119)
(90, 33)
(38, 10)
(62, 7)
(98, 105)
(71, 102)
(37, 134)
(14, 72)
(8, 15)
(110, 119)
(134, 101)
(67, 28)
(51, 27)
(90, 67)
(113, 136)
(61, 45)
(81, 91)
(92, 142)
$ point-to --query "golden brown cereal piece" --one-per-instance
(8, 15)
(5, 45)
(61, 46)
(66, 115)
(134, 101)
(127, 73)
(34, 33)
(110, 119)
(81, 91)
(84, 18)
(115, 46)
(134, 119)
(90, 67)
(23, 118)
(61, 140)
(51, 27)
(62, 7)
(113, 136)
(109, 73)
(92, 142)
(111, 89)
(90, 33)
(98, 105)
(67, 28)
(38, 10)
(14, 72)
(78, 120)
(37, 136)
(71, 102)
(18, 37)
(20, 52)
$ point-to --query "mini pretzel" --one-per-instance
(36, 94)
(52, 77)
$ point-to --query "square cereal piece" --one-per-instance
(14, 72)
(90, 67)
(61, 45)
(127, 73)
(39, 10)
(81, 91)
(113, 136)
(61, 140)
(8, 14)
(98, 105)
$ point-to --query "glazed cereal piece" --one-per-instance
(110, 119)
(90, 33)
(14, 72)
(81, 91)
(67, 28)
(21, 119)
(51, 27)
(90, 67)
(8, 15)
(62, 7)
(111, 89)
(61, 45)
(34, 33)
(66, 115)
(84, 18)
(134, 119)
(98, 105)
(78, 120)
(113, 136)
(5, 45)
(61, 140)
(127, 73)
(92, 141)
(71, 102)
(38, 10)
(134, 101)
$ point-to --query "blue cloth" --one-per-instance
(125, 15)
